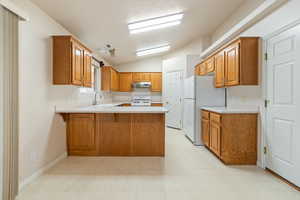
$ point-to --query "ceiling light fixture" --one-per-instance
(159, 49)
(155, 23)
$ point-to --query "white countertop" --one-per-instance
(111, 108)
(232, 110)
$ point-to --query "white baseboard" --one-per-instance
(41, 171)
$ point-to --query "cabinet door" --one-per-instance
(106, 79)
(205, 131)
(82, 137)
(202, 69)
(87, 70)
(232, 65)
(210, 65)
(141, 77)
(196, 70)
(215, 138)
(219, 69)
(77, 64)
(114, 80)
(156, 81)
(125, 82)
(148, 135)
(115, 134)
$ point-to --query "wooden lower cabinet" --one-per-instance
(157, 104)
(148, 135)
(232, 137)
(215, 138)
(116, 134)
(205, 128)
(82, 136)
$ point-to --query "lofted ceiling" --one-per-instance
(101, 22)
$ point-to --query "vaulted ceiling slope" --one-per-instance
(101, 22)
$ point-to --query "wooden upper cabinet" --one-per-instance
(202, 69)
(87, 70)
(196, 70)
(109, 79)
(77, 64)
(205, 67)
(141, 77)
(125, 81)
(115, 81)
(232, 65)
(210, 65)
(71, 62)
(156, 81)
(219, 69)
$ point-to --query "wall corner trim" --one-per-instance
(42, 170)
(15, 9)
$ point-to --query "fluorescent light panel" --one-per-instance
(155, 50)
(155, 23)
(150, 28)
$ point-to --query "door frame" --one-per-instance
(264, 111)
(1, 107)
(181, 92)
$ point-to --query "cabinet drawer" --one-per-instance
(215, 117)
(205, 114)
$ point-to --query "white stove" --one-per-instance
(141, 101)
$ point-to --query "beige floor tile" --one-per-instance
(186, 173)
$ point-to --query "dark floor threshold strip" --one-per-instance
(283, 179)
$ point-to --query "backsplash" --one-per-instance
(127, 96)
(244, 96)
(76, 96)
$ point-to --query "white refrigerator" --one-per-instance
(199, 91)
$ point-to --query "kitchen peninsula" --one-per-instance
(115, 130)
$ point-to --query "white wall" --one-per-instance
(246, 8)
(152, 64)
(176, 60)
(42, 132)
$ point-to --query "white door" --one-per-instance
(283, 93)
(173, 98)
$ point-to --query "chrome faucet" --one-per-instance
(95, 102)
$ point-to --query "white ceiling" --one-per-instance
(100, 22)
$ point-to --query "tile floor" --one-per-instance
(186, 173)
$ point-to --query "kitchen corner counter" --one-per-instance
(114, 130)
(229, 110)
(111, 108)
